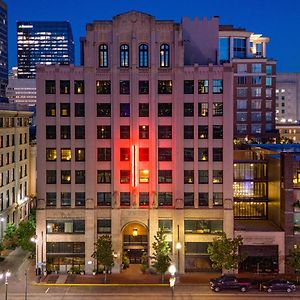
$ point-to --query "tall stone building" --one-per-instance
(3, 50)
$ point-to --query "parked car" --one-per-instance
(278, 285)
(230, 282)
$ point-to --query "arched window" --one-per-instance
(143, 56)
(124, 56)
(103, 56)
(164, 55)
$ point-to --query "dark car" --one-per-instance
(278, 285)
(229, 282)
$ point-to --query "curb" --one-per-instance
(101, 284)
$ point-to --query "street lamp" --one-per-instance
(34, 239)
(172, 280)
(5, 275)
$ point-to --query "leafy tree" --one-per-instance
(161, 259)
(294, 260)
(25, 231)
(104, 253)
(223, 252)
(10, 240)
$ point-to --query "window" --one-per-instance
(268, 93)
(65, 132)
(203, 199)
(143, 109)
(217, 176)
(217, 86)
(80, 199)
(104, 226)
(124, 87)
(242, 92)
(103, 110)
(256, 92)
(217, 131)
(165, 199)
(188, 132)
(217, 154)
(65, 109)
(164, 176)
(103, 132)
(164, 86)
(50, 199)
(165, 132)
(203, 109)
(268, 116)
(143, 87)
(256, 104)
(144, 199)
(269, 70)
(188, 87)
(65, 199)
(268, 81)
(79, 154)
(79, 110)
(256, 128)
(239, 47)
(188, 199)
(164, 154)
(203, 227)
(50, 109)
(124, 176)
(202, 86)
(51, 176)
(224, 47)
(164, 109)
(188, 109)
(143, 56)
(241, 104)
(65, 86)
(79, 132)
(256, 116)
(188, 154)
(50, 132)
(203, 176)
(203, 132)
(241, 80)
(217, 198)
(124, 198)
(124, 132)
(269, 104)
(256, 68)
(144, 176)
(65, 177)
(202, 154)
(217, 109)
(66, 154)
(104, 154)
(103, 199)
(124, 154)
(144, 132)
(165, 225)
(242, 68)
(50, 87)
(103, 56)
(103, 87)
(78, 86)
(124, 109)
(124, 56)
(164, 56)
(188, 176)
(103, 176)
(241, 128)
(144, 154)
(256, 80)
(80, 176)
(50, 154)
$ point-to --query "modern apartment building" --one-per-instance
(3, 50)
(254, 83)
(132, 141)
(16, 193)
(43, 42)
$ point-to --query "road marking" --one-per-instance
(47, 290)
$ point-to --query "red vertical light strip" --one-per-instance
(134, 166)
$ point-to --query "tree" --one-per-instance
(294, 260)
(223, 252)
(104, 253)
(161, 259)
(25, 231)
(10, 240)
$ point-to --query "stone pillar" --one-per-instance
(90, 235)
(116, 239)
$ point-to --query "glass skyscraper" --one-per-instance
(3, 50)
(43, 43)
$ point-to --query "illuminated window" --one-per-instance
(51, 154)
(124, 56)
(65, 86)
(164, 86)
(144, 132)
(103, 56)
(144, 176)
(143, 56)
(50, 109)
(66, 154)
(80, 176)
(188, 176)
(144, 154)
(164, 56)
(203, 109)
(65, 109)
(203, 132)
(188, 86)
(217, 198)
(103, 176)
(217, 109)
(124, 154)
(65, 176)
(124, 176)
(78, 86)
(202, 86)
(217, 86)
(103, 87)
(103, 132)
(202, 154)
(79, 154)
(217, 176)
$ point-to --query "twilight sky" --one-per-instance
(277, 19)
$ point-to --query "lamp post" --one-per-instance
(5, 275)
(2, 225)
(172, 280)
(35, 240)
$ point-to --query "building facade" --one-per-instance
(16, 193)
(254, 83)
(3, 50)
(133, 141)
(43, 43)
